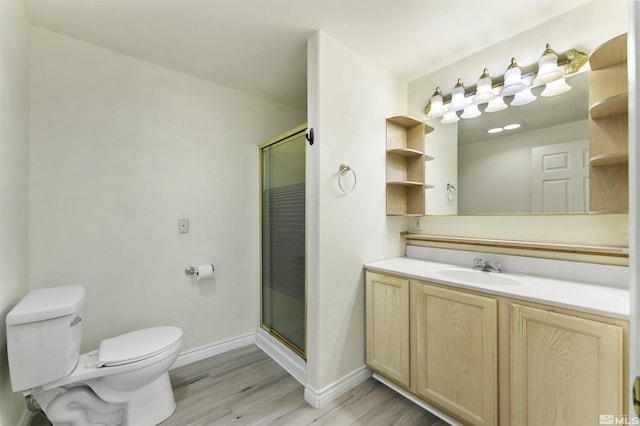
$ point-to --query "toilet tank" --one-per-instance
(44, 331)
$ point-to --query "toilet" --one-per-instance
(123, 382)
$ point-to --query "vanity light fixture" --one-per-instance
(523, 98)
(513, 83)
(557, 87)
(450, 117)
(437, 105)
(484, 92)
(471, 111)
(496, 104)
(548, 69)
(495, 130)
(458, 100)
(516, 82)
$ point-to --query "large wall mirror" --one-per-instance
(478, 173)
(501, 172)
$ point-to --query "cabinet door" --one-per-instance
(387, 328)
(565, 370)
(457, 352)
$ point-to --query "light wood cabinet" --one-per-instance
(565, 370)
(608, 127)
(485, 359)
(387, 326)
(457, 343)
(406, 166)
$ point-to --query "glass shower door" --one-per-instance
(283, 240)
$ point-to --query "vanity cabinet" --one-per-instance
(564, 369)
(387, 326)
(437, 343)
(608, 127)
(456, 352)
(486, 359)
(406, 166)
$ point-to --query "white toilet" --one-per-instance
(124, 382)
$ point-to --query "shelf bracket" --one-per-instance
(310, 136)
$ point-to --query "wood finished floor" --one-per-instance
(246, 387)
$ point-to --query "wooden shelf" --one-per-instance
(595, 212)
(406, 183)
(599, 250)
(405, 166)
(616, 104)
(609, 53)
(609, 188)
(403, 200)
(608, 128)
(610, 159)
(404, 121)
(405, 152)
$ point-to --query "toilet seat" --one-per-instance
(137, 345)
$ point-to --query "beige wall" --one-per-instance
(14, 183)
(120, 150)
(584, 29)
(350, 97)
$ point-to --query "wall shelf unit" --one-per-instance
(616, 104)
(608, 128)
(405, 166)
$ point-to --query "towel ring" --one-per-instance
(344, 169)
(451, 193)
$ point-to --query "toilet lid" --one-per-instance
(137, 345)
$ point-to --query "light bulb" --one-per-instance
(557, 87)
(471, 111)
(548, 70)
(450, 117)
(437, 108)
(513, 80)
(523, 98)
(496, 104)
(458, 100)
(484, 90)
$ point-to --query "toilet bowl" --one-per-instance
(124, 382)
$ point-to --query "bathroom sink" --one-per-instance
(477, 277)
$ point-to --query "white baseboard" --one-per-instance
(284, 356)
(417, 401)
(213, 349)
(319, 398)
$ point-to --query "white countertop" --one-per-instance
(602, 300)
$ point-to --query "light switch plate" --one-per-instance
(417, 223)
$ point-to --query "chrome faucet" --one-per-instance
(486, 265)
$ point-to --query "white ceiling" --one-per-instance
(259, 46)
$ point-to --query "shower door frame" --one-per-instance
(279, 140)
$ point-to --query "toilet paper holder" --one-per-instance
(192, 270)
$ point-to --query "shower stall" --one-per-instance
(283, 276)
